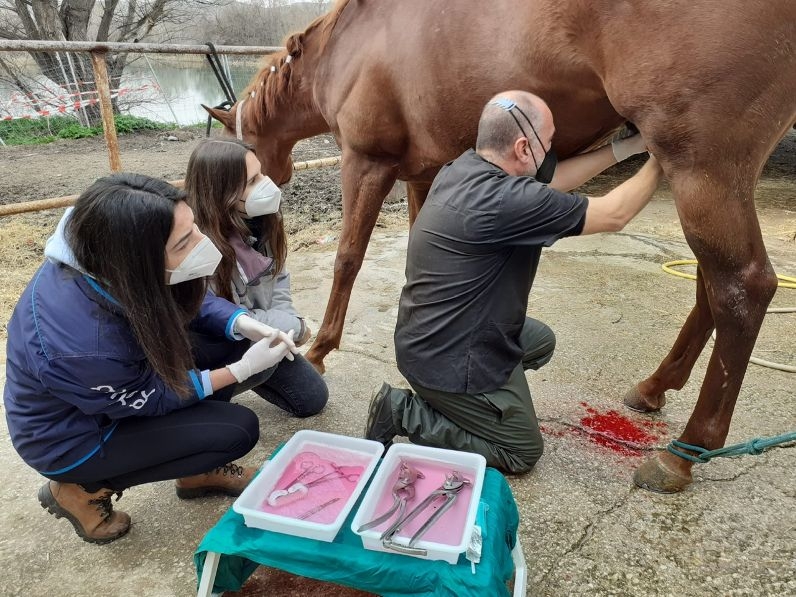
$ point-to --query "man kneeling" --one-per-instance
(462, 338)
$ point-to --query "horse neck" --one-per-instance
(292, 109)
(305, 118)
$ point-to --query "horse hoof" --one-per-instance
(655, 475)
(637, 401)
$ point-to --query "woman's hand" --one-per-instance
(250, 328)
(262, 355)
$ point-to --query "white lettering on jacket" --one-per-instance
(122, 396)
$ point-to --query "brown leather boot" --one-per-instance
(91, 514)
(229, 479)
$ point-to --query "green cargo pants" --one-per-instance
(501, 425)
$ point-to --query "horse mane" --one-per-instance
(273, 83)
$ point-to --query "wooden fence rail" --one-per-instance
(54, 203)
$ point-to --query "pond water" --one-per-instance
(180, 88)
(164, 89)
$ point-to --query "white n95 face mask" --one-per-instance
(264, 199)
(201, 262)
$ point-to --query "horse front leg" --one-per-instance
(721, 228)
(366, 183)
(650, 394)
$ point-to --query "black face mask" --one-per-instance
(545, 170)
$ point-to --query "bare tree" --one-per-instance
(258, 23)
(86, 20)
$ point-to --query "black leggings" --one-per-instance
(203, 436)
(185, 442)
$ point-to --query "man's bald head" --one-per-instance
(498, 129)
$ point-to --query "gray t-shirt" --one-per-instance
(471, 260)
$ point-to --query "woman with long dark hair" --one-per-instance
(239, 209)
(102, 391)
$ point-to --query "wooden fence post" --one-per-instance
(106, 109)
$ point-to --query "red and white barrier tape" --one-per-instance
(24, 109)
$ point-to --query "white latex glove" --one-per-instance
(250, 328)
(629, 146)
(261, 355)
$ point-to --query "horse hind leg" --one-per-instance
(650, 394)
(717, 212)
(366, 183)
(416, 195)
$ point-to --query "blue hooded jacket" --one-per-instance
(74, 367)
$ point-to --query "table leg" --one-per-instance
(520, 570)
(208, 574)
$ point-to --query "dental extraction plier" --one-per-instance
(402, 491)
(454, 483)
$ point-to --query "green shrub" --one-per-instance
(130, 124)
(76, 131)
(44, 130)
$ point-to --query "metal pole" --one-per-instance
(32, 45)
(66, 83)
(78, 88)
(165, 97)
(106, 109)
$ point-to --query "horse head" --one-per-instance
(277, 108)
(265, 138)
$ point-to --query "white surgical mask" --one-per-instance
(263, 199)
(201, 262)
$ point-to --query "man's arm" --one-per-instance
(573, 172)
(611, 212)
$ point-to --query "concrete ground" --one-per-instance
(585, 529)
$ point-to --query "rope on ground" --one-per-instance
(754, 446)
(784, 282)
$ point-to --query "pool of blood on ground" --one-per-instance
(615, 431)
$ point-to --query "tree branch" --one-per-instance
(27, 19)
(75, 16)
(108, 10)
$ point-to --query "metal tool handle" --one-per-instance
(398, 503)
(316, 509)
(399, 524)
(412, 551)
(450, 498)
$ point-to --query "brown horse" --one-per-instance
(710, 84)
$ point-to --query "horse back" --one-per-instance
(407, 80)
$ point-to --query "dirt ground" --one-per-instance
(584, 528)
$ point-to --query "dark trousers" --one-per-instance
(294, 386)
(501, 424)
(185, 442)
(203, 436)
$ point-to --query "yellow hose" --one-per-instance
(784, 282)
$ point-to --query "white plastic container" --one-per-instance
(345, 451)
(449, 536)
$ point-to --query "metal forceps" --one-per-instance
(402, 491)
(450, 489)
(290, 492)
(337, 473)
